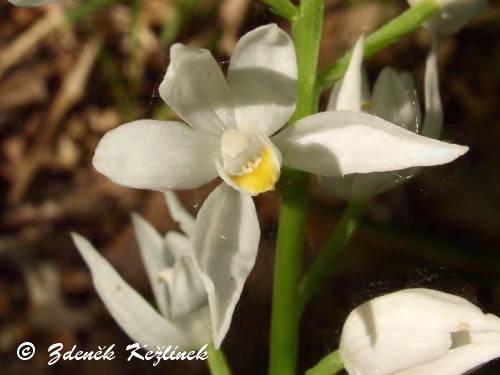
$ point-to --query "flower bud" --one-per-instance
(417, 332)
(30, 3)
(453, 14)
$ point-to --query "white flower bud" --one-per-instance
(418, 332)
(453, 15)
(30, 3)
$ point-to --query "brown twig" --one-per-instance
(69, 94)
(27, 41)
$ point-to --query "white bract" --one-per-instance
(197, 276)
(231, 122)
(418, 332)
(30, 3)
(394, 99)
(452, 15)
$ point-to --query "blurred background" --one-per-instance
(73, 70)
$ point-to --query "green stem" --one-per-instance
(287, 268)
(173, 26)
(322, 267)
(306, 33)
(388, 34)
(119, 90)
(86, 8)
(329, 365)
(217, 361)
(283, 8)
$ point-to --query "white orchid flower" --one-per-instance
(30, 3)
(418, 332)
(452, 14)
(197, 276)
(395, 100)
(230, 124)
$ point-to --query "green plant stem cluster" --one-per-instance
(306, 34)
(290, 295)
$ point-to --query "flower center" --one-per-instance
(249, 161)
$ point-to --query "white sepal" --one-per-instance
(156, 155)
(343, 142)
(178, 244)
(155, 258)
(262, 75)
(179, 213)
(392, 101)
(433, 122)
(350, 92)
(224, 251)
(186, 290)
(196, 89)
(132, 313)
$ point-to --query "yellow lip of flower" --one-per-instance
(259, 175)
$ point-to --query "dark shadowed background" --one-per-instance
(63, 85)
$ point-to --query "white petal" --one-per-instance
(334, 95)
(178, 244)
(225, 247)
(134, 315)
(154, 257)
(385, 352)
(458, 361)
(263, 78)
(344, 142)
(30, 3)
(365, 92)
(433, 123)
(392, 101)
(409, 83)
(157, 155)
(349, 96)
(196, 89)
(186, 289)
(179, 213)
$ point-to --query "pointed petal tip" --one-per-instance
(136, 218)
(78, 240)
(176, 46)
(140, 224)
(84, 247)
(454, 152)
(360, 41)
(272, 30)
(175, 49)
